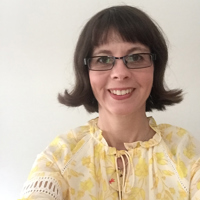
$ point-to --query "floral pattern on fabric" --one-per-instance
(82, 166)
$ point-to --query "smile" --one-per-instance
(121, 92)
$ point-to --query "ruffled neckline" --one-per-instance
(155, 140)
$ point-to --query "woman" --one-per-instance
(119, 62)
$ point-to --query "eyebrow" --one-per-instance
(132, 50)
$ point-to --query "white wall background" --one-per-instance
(37, 40)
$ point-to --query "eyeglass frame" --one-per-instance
(152, 56)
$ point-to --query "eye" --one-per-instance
(134, 58)
(105, 60)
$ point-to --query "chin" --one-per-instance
(127, 110)
(122, 112)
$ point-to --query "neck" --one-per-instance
(118, 129)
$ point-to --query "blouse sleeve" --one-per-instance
(46, 180)
(195, 182)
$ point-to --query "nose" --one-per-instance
(120, 71)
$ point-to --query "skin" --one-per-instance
(122, 118)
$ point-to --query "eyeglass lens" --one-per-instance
(134, 61)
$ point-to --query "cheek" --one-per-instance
(94, 82)
(148, 77)
(98, 79)
(145, 78)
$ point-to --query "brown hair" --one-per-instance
(133, 25)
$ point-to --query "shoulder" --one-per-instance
(72, 140)
(180, 142)
(74, 136)
(63, 149)
(173, 134)
(65, 146)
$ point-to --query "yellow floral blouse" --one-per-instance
(81, 166)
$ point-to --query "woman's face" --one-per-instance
(121, 91)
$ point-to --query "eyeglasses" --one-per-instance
(134, 61)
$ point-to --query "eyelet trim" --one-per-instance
(176, 172)
(45, 185)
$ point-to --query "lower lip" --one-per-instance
(120, 97)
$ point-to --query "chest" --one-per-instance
(95, 175)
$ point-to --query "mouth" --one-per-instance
(121, 92)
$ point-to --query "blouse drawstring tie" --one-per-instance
(126, 172)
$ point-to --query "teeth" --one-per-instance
(121, 92)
